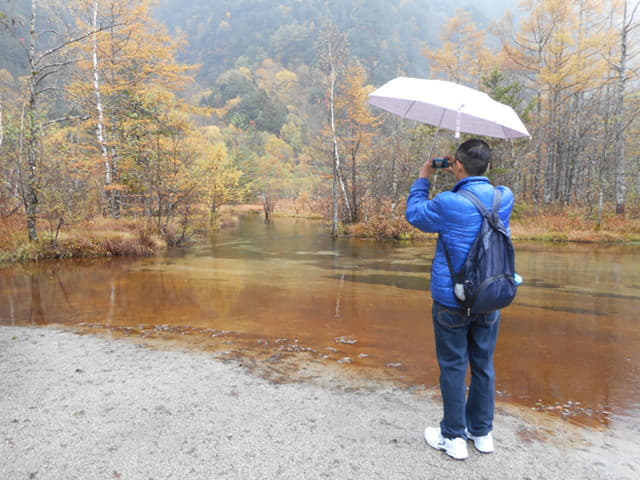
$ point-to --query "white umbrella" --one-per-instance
(448, 105)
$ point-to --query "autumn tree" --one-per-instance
(219, 179)
(274, 179)
(67, 180)
(332, 56)
(510, 163)
(357, 124)
(9, 145)
(43, 82)
(575, 60)
(559, 53)
(128, 67)
(464, 56)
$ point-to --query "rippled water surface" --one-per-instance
(570, 343)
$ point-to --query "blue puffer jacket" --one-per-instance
(457, 221)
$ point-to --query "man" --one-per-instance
(461, 340)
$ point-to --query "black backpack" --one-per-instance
(486, 281)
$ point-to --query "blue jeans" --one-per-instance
(463, 340)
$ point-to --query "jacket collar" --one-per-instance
(466, 180)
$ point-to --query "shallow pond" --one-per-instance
(287, 294)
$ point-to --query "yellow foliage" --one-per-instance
(565, 45)
(218, 179)
(286, 79)
(212, 133)
(464, 56)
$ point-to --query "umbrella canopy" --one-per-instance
(448, 105)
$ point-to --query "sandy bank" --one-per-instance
(85, 407)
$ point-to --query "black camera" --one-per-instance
(440, 163)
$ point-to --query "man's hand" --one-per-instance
(427, 170)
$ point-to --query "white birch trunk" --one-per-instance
(336, 152)
(620, 147)
(336, 161)
(99, 108)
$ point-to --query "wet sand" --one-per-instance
(88, 407)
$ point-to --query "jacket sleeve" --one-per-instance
(508, 201)
(421, 212)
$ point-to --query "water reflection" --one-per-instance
(569, 344)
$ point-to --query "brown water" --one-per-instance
(287, 294)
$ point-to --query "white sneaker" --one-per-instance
(483, 444)
(455, 447)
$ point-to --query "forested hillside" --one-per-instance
(169, 110)
(386, 36)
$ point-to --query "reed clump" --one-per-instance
(382, 222)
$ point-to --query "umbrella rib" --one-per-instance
(441, 117)
(433, 142)
(409, 108)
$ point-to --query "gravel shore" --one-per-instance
(88, 407)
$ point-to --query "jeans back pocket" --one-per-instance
(449, 317)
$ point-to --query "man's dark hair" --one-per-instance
(475, 156)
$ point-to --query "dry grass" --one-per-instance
(382, 227)
(576, 226)
(123, 237)
(12, 232)
(569, 225)
(98, 237)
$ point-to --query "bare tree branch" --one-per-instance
(72, 41)
(66, 119)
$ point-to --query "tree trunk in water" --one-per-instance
(268, 205)
(334, 200)
(354, 189)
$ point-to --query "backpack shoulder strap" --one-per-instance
(495, 205)
(497, 199)
(493, 216)
(456, 277)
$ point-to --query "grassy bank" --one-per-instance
(137, 237)
(579, 225)
(575, 227)
(99, 237)
(104, 237)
